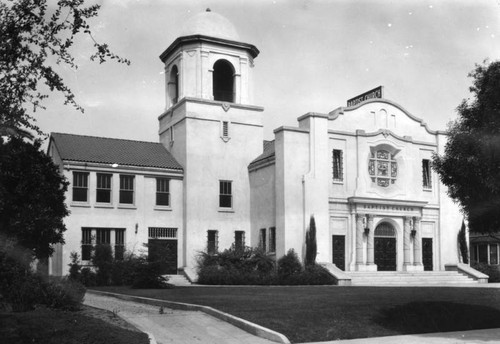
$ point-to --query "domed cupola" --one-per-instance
(208, 61)
(210, 24)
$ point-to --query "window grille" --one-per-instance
(162, 233)
(239, 240)
(338, 173)
(385, 230)
(162, 191)
(80, 186)
(225, 194)
(225, 129)
(272, 239)
(86, 243)
(262, 239)
(103, 236)
(426, 174)
(119, 243)
(103, 190)
(126, 189)
(212, 241)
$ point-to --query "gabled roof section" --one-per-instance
(266, 156)
(106, 150)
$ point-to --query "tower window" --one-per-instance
(225, 194)
(223, 81)
(173, 85)
(80, 186)
(225, 129)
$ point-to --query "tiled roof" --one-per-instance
(113, 151)
(268, 154)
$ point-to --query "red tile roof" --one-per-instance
(113, 151)
(268, 154)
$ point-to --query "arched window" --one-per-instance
(385, 230)
(223, 81)
(173, 85)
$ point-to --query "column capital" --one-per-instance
(417, 218)
(360, 215)
(370, 216)
(407, 218)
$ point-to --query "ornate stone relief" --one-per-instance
(382, 168)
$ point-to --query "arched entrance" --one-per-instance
(385, 247)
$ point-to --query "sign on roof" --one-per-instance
(375, 93)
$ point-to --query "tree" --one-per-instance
(311, 246)
(462, 244)
(470, 166)
(34, 37)
(32, 197)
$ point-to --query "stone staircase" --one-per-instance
(178, 280)
(397, 278)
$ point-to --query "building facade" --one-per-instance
(362, 170)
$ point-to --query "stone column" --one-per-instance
(370, 260)
(359, 239)
(406, 243)
(417, 242)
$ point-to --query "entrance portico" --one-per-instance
(387, 234)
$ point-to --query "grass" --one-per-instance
(320, 313)
(48, 326)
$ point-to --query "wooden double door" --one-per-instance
(163, 251)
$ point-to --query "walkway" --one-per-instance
(175, 326)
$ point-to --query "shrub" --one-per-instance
(88, 277)
(289, 265)
(311, 245)
(316, 275)
(147, 276)
(75, 267)
(67, 294)
(491, 270)
(103, 262)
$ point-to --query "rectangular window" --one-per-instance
(225, 129)
(126, 189)
(482, 254)
(162, 233)
(103, 191)
(426, 174)
(239, 240)
(262, 239)
(163, 191)
(493, 254)
(86, 243)
(103, 236)
(80, 186)
(338, 173)
(225, 194)
(119, 243)
(272, 239)
(212, 241)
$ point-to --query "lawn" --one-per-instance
(49, 326)
(320, 313)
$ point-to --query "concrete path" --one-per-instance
(175, 326)
(490, 336)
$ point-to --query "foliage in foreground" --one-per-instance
(32, 194)
(251, 266)
(470, 166)
(23, 289)
(133, 270)
(493, 271)
(35, 37)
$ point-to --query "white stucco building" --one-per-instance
(362, 170)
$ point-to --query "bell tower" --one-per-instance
(212, 128)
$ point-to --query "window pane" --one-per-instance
(212, 241)
(493, 254)
(337, 165)
(103, 196)
(162, 198)
(126, 197)
(225, 201)
(483, 253)
(80, 194)
(272, 239)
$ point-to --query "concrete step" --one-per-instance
(394, 278)
(178, 280)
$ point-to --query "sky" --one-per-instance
(314, 55)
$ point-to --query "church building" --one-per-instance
(210, 181)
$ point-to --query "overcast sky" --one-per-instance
(314, 55)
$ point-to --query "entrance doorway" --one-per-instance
(427, 254)
(338, 251)
(385, 247)
(163, 251)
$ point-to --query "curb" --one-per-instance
(245, 325)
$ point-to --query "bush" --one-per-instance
(88, 277)
(103, 262)
(147, 276)
(74, 267)
(66, 294)
(288, 266)
(491, 270)
(316, 275)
